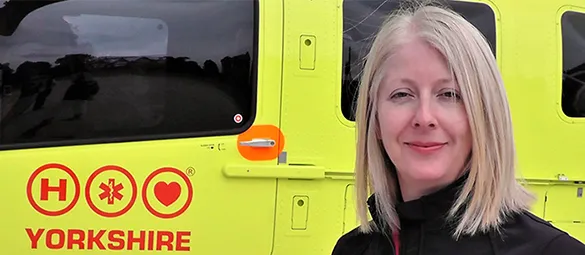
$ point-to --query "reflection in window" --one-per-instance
(361, 20)
(573, 33)
(89, 71)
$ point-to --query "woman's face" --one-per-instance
(423, 122)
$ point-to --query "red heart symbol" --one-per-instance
(167, 193)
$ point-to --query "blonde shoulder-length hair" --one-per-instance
(491, 191)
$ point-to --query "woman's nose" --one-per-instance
(424, 115)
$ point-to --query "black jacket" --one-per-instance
(423, 232)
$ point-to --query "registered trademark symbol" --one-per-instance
(190, 171)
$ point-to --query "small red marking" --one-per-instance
(75, 237)
(145, 188)
(45, 189)
(55, 243)
(113, 191)
(238, 118)
(167, 193)
(61, 189)
(34, 237)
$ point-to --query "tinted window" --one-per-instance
(573, 33)
(88, 71)
(361, 21)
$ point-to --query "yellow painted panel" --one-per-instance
(300, 212)
(565, 203)
(307, 43)
(166, 196)
(350, 220)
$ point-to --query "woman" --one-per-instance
(435, 146)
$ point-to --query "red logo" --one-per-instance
(167, 193)
(111, 191)
(53, 190)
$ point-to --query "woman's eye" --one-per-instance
(399, 95)
(451, 94)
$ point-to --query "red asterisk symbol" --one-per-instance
(111, 191)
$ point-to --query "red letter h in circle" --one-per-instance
(45, 189)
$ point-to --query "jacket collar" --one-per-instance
(430, 208)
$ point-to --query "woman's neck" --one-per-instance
(414, 189)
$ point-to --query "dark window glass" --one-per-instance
(91, 71)
(361, 21)
(573, 33)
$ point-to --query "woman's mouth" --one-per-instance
(425, 147)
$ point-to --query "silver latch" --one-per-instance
(259, 142)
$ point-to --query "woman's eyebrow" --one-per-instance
(411, 82)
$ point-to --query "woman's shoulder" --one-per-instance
(357, 242)
(564, 243)
(544, 238)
